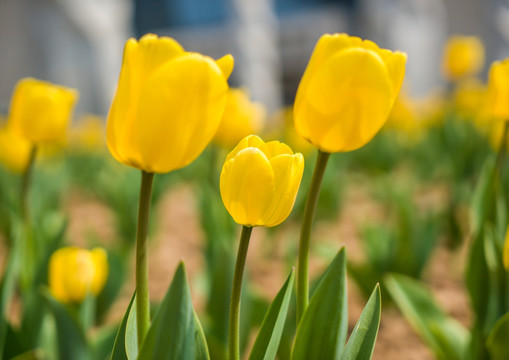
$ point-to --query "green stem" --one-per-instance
(234, 324)
(142, 295)
(25, 184)
(502, 149)
(305, 234)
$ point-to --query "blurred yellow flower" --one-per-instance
(14, 150)
(285, 129)
(76, 272)
(259, 181)
(498, 89)
(241, 117)
(462, 56)
(88, 134)
(347, 92)
(41, 111)
(167, 106)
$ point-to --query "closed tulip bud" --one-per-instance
(14, 150)
(167, 106)
(41, 111)
(241, 117)
(463, 56)
(347, 92)
(498, 89)
(259, 181)
(75, 272)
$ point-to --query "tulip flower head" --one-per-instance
(167, 106)
(347, 92)
(241, 117)
(498, 89)
(259, 181)
(41, 111)
(76, 272)
(463, 56)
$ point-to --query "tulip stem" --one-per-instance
(502, 149)
(234, 324)
(142, 295)
(25, 183)
(305, 234)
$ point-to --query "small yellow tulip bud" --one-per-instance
(167, 106)
(14, 150)
(241, 117)
(41, 111)
(259, 181)
(347, 92)
(498, 89)
(463, 56)
(75, 272)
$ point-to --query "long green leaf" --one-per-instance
(361, 344)
(444, 335)
(269, 336)
(497, 340)
(71, 339)
(119, 349)
(172, 333)
(321, 333)
(201, 350)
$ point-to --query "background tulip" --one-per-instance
(75, 272)
(463, 56)
(41, 111)
(347, 92)
(259, 181)
(241, 117)
(167, 106)
(498, 89)
(14, 150)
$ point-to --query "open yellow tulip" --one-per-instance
(76, 272)
(41, 111)
(259, 181)
(167, 106)
(347, 92)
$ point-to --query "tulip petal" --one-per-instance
(248, 141)
(275, 148)
(247, 186)
(347, 101)
(140, 60)
(190, 88)
(226, 63)
(288, 170)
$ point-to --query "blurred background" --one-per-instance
(79, 43)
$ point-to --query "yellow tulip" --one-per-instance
(498, 89)
(463, 56)
(14, 150)
(40, 111)
(259, 181)
(76, 272)
(347, 92)
(167, 106)
(241, 117)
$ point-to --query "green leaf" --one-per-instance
(71, 339)
(444, 335)
(361, 344)
(269, 336)
(201, 350)
(119, 349)
(172, 333)
(131, 334)
(483, 197)
(497, 339)
(321, 333)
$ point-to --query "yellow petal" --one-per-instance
(347, 101)
(498, 89)
(179, 111)
(226, 63)
(247, 186)
(275, 148)
(288, 171)
(141, 59)
(249, 141)
(14, 150)
(100, 260)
